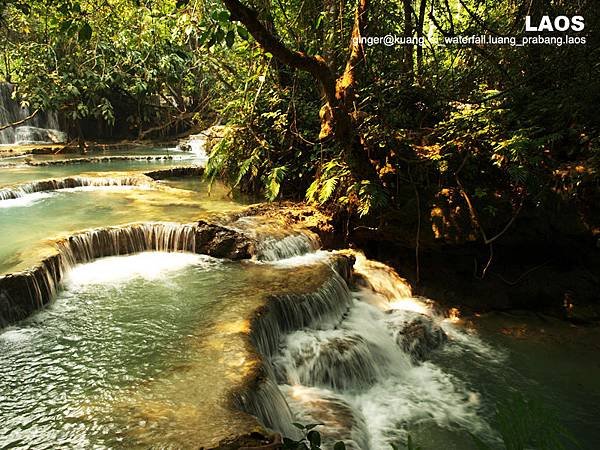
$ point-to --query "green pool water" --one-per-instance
(23, 173)
(68, 376)
(31, 222)
(538, 358)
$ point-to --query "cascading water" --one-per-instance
(280, 246)
(41, 128)
(69, 183)
(105, 159)
(290, 337)
(357, 362)
(24, 292)
(297, 244)
(196, 144)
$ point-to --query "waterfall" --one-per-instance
(326, 302)
(354, 357)
(278, 240)
(195, 144)
(42, 128)
(137, 238)
(69, 183)
(25, 292)
(300, 243)
(358, 361)
(288, 312)
(265, 401)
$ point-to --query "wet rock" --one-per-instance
(23, 293)
(418, 336)
(255, 439)
(221, 242)
(175, 172)
(340, 421)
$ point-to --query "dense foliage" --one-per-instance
(462, 134)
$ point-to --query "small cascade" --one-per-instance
(25, 292)
(297, 244)
(195, 144)
(69, 183)
(101, 159)
(268, 403)
(166, 237)
(289, 312)
(42, 128)
(358, 362)
(335, 359)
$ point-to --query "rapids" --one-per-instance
(141, 339)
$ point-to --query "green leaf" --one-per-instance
(204, 37)
(65, 26)
(289, 444)
(85, 32)
(314, 437)
(298, 425)
(230, 38)
(220, 16)
(24, 8)
(242, 32)
(219, 35)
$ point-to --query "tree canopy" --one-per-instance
(474, 132)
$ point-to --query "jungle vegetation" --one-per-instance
(451, 142)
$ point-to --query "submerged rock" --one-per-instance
(175, 172)
(418, 336)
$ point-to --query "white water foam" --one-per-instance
(307, 259)
(196, 145)
(147, 265)
(355, 375)
(26, 200)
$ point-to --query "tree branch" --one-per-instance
(315, 65)
(19, 122)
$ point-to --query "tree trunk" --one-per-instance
(420, 34)
(408, 48)
(337, 114)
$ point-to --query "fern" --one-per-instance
(369, 196)
(274, 180)
(335, 174)
(327, 189)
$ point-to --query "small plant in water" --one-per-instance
(311, 439)
(410, 445)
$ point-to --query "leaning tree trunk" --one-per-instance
(338, 118)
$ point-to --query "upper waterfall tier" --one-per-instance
(43, 127)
